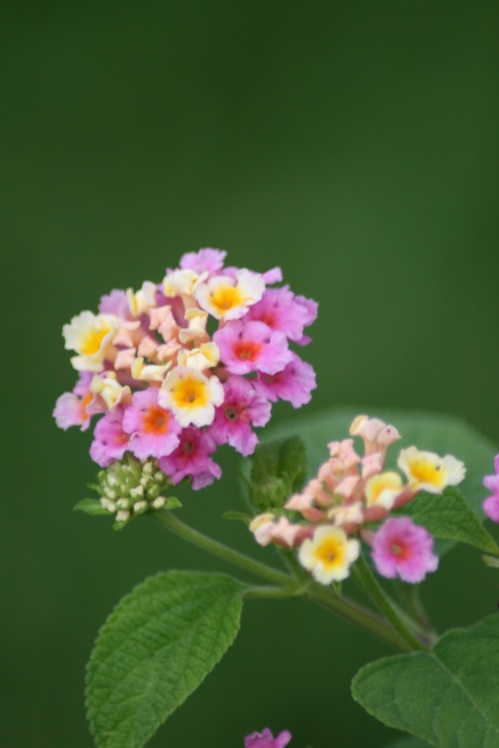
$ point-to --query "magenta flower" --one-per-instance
(110, 441)
(294, 383)
(242, 407)
(403, 549)
(265, 739)
(281, 310)
(252, 346)
(153, 429)
(192, 459)
(491, 504)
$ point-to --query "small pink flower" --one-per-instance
(76, 408)
(265, 739)
(281, 310)
(491, 504)
(115, 303)
(210, 260)
(402, 548)
(110, 441)
(192, 458)
(252, 346)
(153, 429)
(294, 383)
(242, 407)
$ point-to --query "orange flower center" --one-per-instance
(246, 350)
(156, 420)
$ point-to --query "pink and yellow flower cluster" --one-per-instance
(350, 496)
(178, 368)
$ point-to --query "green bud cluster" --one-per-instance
(129, 488)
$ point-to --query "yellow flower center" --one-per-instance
(190, 393)
(225, 298)
(330, 553)
(92, 340)
(425, 472)
(156, 420)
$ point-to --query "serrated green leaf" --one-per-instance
(155, 649)
(90, 506)
(448, 697)
(434, 432)
(450, 517)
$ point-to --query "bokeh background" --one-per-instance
(354, 144)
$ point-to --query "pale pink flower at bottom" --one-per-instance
(491, 504)
(110, 441)
(153, 430)
(192, 459)
(403, 549)
(265, 739)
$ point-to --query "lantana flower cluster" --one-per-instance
(352, 498)
(176, 369)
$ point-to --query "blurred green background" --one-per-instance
(354, 144)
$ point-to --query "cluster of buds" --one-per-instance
(178, 368)
(350, 500)
(129, 488)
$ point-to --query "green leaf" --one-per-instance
(172, 503)
(448, 697)
(449, 516)
(155, 649)
(91, 506)
(434, 432)
(278, 469)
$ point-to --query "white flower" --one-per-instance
(90, 335)
(191, 396)
(383, 489)
(329, 554)
(426, 471)
(227, 298)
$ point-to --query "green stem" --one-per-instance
(384, 604)
(287, 586)
(273, 592)
(222, 551)
(358, 615)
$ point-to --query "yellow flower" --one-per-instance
(426, 471)
(329, 554)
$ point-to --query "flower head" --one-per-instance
(174, 369)
(351, 494)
